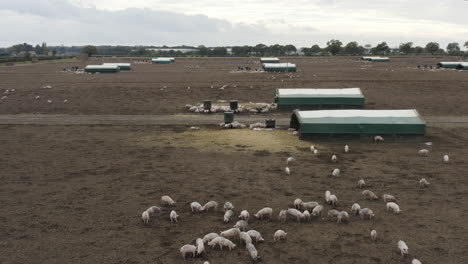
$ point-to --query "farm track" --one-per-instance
(178, 119)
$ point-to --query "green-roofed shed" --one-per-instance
(102, 68)
(161, 61)
(318, 98)
(279, 67)
(462, 66)
(319, 123)
(122, 66)
(269, 60)
(448, 64)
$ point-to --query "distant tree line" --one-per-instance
(333, 47)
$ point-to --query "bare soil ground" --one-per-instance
(395, 85)
(75, 193)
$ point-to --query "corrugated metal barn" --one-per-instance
(102, 68)
(279, 67)
(325, 123)
(269, 60)
(376, 59)
(463, 66)
(318, 98)
(122, 66)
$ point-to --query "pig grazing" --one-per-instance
(145, 217)
(415, 261)
(333, 200)
(287, 171)
(402, 247)
(241, 224)
(228, 206)
(309, 206)
(394, 207)
(366, 213)
(370, 195)
(327, 196)
(297, 203)
(245, 237)
(294, 213)
(195, 207)
(423, 183)
(336, 173)
(282, 216)
(244, 215)
(361, 183)
(334, 158)
(226, 243)
(346, 148)
(252, 251)
(173, 216)
(388, 198)
(355, 208)
(343, 217)
(154, 210)
(317, 210)
(200, 246)
(227, 215)
(378, 139)
(215, 241)
(290, 160)
(233, 232)
(373, 234)
(209, 237)
(423, 152)
(279, 234)
(210, 205)
(255, 235)
(446, 159)
(166, 200)
(188, 249)
(306, 215)
(267, 211)
(332, 213)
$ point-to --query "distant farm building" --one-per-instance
(306, 98)
(462, 66)
(376, 59)
(448, 64)
(162, 60)
(122, 66)
(102, 68)
(279, 67)
(269, 60)
(329, 123)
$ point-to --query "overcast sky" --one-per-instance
(218, 22)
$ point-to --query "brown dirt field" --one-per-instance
(74, 194)
(393, 85)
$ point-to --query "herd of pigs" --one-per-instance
(310, 209)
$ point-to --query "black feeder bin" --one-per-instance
(233, 104)
(228, 117)
(270, 123)
(207, 104)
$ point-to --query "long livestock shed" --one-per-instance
(279, 67)
(462, 66)
(162, 60)
(102, 68)
(448, 64)
(326, 123)
(318, 98)
(122, 66)
(269, 60)
(376, 59)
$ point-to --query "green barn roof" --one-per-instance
(279, 67)
(448, 64)
(121, 65)
(102, 68)
(373, 122)
(269, 60)
(308, 98)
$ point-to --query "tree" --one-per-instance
(352, 48)
(453, 48)
(381, 48)
(202, 50)
(260, 49)
(406, 47)
(290, 49)
(418, 50)
(466, 45)
(90, 50)
(219, 51)
(315, 49)
(334, 46)
(432, 47)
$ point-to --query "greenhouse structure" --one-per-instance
(269, 60)
(362, 123)
(122, 66)
(318, 98)
(279, 67)
(102, 68)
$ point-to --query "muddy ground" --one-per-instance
(75, 193)
(395, 85)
